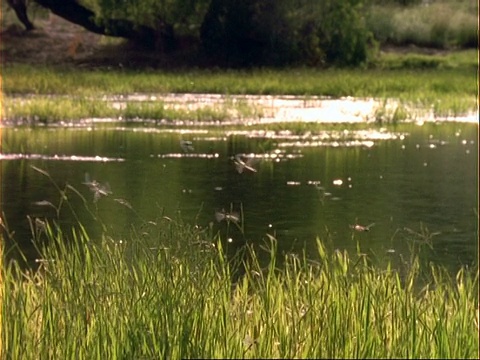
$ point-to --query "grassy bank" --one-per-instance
(446, 83)
(111, 298)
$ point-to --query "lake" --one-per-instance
(382, 188)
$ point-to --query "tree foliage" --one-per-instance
(233, 32)
(343, 33)
(286, 31)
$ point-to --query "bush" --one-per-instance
(343, 34)
(255, 32)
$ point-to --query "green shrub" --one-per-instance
(282, 32)
(343, 34)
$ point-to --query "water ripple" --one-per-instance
(58, 157)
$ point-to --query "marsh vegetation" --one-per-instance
(445, 85)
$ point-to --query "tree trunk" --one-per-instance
(72, 11)
(20, 9)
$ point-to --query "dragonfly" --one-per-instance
(98, 189)
(241, 165)
(223, 215)
(187, 146)
(361, 228)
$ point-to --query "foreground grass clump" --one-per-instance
(131, 299)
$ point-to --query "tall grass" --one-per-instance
(134, 298)
(390, 74)
(440, 24)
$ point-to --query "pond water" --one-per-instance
(402, 183)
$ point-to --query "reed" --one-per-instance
(174, 293)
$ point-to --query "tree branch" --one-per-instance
(72, 11)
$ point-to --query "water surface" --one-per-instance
(407, 182)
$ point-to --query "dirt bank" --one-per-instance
(56, 41)
(53, 41)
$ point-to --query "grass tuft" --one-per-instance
(152, 296)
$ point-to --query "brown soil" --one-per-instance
(53, 41)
